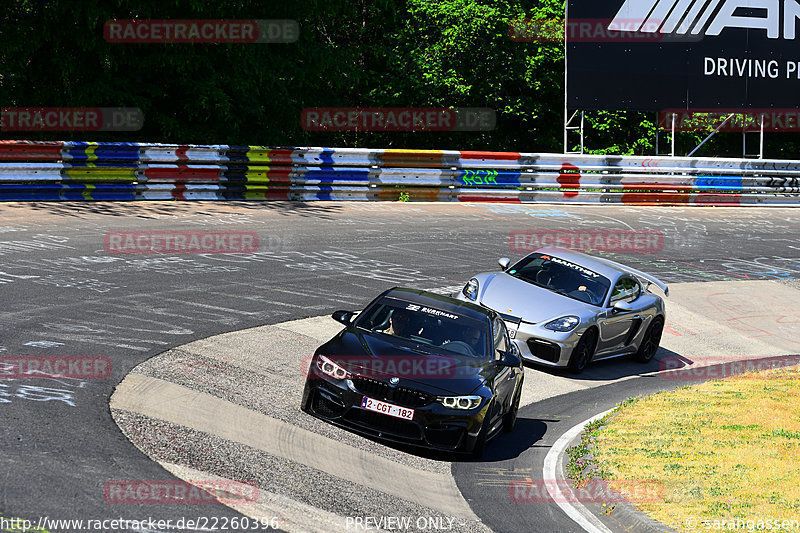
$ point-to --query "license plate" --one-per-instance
(512, 329)
(378, 406)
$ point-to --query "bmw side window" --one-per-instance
(626, 290)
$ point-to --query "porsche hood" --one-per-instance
(512, 296)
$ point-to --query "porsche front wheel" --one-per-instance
(583, 352)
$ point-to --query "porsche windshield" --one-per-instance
(427, 326)
(563, 277)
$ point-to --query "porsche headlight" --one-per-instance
(563, 324)
(470, 290)
(463, 403)
(329, 368)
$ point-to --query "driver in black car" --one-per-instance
(468, 342)
(473, 338)
(399, 324)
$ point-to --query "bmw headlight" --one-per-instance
(329, 368)
(463, 403)
(563, 324)
(470, 290)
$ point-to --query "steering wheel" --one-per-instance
(459, 347)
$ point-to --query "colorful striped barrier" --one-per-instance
(50, 171)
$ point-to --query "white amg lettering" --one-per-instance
(664, 16)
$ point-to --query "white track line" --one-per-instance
(575, 510)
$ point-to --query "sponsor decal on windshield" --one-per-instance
(431, 311)
(579, 268)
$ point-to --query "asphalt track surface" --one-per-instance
(65, 294)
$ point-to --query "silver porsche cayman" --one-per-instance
(567, 309)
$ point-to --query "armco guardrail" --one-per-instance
(46, 171)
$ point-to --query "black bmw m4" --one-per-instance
(421, 369)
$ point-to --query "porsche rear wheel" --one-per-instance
(583, 352)
(651, 340)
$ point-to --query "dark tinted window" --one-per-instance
(428, 325)
(563, 277)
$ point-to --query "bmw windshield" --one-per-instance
(428, 327)
(563, 277)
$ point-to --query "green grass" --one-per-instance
(722, 450)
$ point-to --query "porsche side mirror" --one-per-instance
(345, 317)
(504, 262)
(622, 307)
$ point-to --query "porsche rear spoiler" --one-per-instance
(638, 273)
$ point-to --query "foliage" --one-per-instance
(359, 53)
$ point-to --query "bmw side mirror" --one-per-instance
(622, 307)
(509, 358)
(504, 262)
(345, 317)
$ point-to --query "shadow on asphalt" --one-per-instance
(527, 432)
(616, 368)
(503, 446)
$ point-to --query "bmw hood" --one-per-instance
(377, 356)
(512, 296)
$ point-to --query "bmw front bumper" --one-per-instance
(433, 425)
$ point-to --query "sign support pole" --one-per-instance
(566, 101)
(672, 150)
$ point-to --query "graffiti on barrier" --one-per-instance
(479, 177)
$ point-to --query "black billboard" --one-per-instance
(650, 55)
